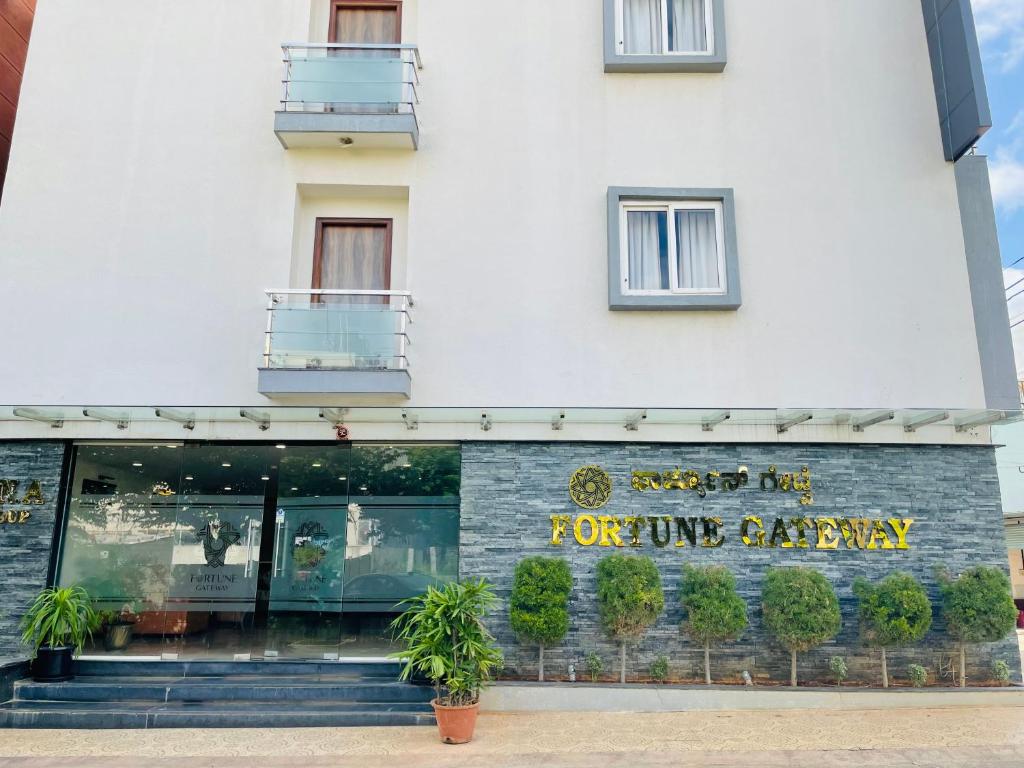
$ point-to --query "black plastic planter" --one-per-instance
(53, 665)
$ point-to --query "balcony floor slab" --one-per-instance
(282, 382)
(327, 130)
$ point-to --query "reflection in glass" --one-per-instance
(225, 550)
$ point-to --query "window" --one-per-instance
(664, 35)
(665, 26)
(672, 249)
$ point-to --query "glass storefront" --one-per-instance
(258, 551)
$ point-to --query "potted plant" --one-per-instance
(445, 640)
(117, 627)
(55, 627)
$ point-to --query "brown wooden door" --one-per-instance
(353, 254)
(366, 21)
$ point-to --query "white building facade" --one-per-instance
(448, 254)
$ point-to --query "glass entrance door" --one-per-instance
(307, 561)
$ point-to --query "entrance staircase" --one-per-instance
(212, 694)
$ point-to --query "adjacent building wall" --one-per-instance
(509, 492)
(15, 30)
(25, 546)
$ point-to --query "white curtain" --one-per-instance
(648, 268)
(687, 26)
(697, 246)
(641, 26)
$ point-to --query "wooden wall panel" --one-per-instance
(15, 29)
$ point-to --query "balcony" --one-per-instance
(329, 342)
(343, 95)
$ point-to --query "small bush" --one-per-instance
(629, 599)
(978, 608)
(659, 669)
(918, 675)
(714, 610)
(839, 670)
(800, 609)
(594, 666)
(892, 612)
(1001, 671)
(539, 604)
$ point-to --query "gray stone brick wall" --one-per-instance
(25, 547)
(510, 490)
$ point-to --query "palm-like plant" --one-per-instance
(446, 641)
(58, 617)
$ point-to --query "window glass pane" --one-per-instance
(687, 26)
(403, 523)
(697, 250)
(647, 239)
(641, 26)
(120, 532)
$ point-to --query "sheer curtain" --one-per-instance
(647, 235)
(641, 26)
(697, 250)
(687, 26)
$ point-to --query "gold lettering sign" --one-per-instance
(853, 533)
(11, 493)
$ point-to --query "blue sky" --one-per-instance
(1001, 32)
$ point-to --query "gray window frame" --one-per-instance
(618, 300)
(664, 62)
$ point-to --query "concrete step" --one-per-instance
(78, 715)
(206, 689)
(125, 668)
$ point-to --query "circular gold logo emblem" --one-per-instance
(590, 487)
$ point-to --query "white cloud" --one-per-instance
(1007, 174)
(1001, 30)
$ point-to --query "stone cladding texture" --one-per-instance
(25, 548)
(510, 490)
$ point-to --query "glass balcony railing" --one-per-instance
(338, 330)
(351, 78)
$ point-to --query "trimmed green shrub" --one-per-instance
(918, 675)
(539, 605)
(659, 669)
(594, 665)
(801, 610)
(1001, 671)
(894, 612)
(629, 599)
(714, 611)
(978, 608)
(839, 670)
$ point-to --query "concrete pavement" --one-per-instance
(992, 737)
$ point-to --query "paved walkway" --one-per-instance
(950, 738)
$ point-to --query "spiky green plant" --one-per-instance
(58, 617)
(445, 640)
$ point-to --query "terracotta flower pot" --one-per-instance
(456, 724)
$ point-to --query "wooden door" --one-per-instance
(353, 254)
(365, 21)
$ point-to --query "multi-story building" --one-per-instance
(312, 303)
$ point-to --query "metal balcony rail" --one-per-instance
(322, 329)
(351, 78)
